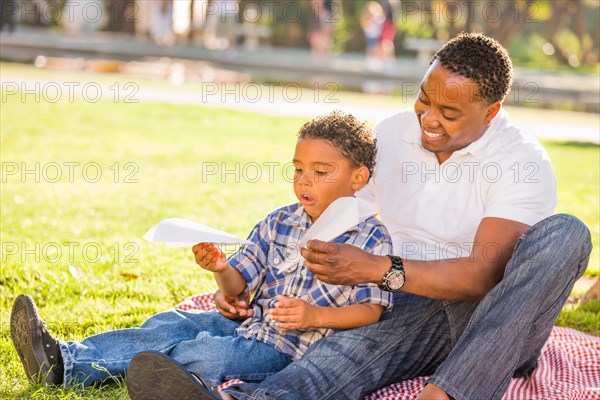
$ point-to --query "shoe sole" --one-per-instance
(155, 376)
(24, 333)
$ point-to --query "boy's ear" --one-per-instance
(360, 177)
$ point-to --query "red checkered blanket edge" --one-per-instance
(568, 369)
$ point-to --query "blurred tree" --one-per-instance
(289, 21)
(348, 35)
(191, 32)
(510, 21)
(558, 15)
(121, 15)
(542, 32)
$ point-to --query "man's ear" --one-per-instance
(491, 112)
(360, 177)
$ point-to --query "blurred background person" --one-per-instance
(371, 22)
(81, 16)
(385, 47)
(8, 9)
(321, 29)
(161, 22)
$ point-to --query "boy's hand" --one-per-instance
(210, 257)
(292, 313)
(234, 308)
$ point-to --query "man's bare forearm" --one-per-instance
(465, 278)
(453, 279)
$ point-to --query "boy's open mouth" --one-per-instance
(306, 199)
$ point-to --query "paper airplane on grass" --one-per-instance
(180, 232)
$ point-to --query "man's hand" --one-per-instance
(292, 313)
(210, 257)
(234, 308)
(343, 264)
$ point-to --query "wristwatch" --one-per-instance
(394, 279)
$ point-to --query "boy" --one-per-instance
(335, 156)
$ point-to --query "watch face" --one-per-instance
(395, 280)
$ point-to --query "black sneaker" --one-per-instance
(155, 376)
(38, 349)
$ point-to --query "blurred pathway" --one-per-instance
(541, 123)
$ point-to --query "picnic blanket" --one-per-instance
(568, 369)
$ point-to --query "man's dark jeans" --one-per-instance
(471, 349)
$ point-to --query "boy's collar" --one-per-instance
(299, 218)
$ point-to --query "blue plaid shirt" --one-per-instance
(259, 265)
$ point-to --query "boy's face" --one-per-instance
(322, 174)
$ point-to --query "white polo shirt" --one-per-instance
(432, 211)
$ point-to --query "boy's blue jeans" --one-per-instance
(202, 342)
(471, 348)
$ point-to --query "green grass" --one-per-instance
(585, 317)
(167, 147)
(577, 167)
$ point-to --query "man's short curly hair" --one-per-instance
(352, 138)
(481, 59)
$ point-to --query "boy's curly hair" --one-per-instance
(352, 138)
(481, 59)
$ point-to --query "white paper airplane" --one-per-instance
(179, 232)
(341, 215)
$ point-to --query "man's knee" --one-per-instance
(565, 225)
(560, 236)
(575, 237)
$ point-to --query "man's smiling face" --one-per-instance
(450, 113)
